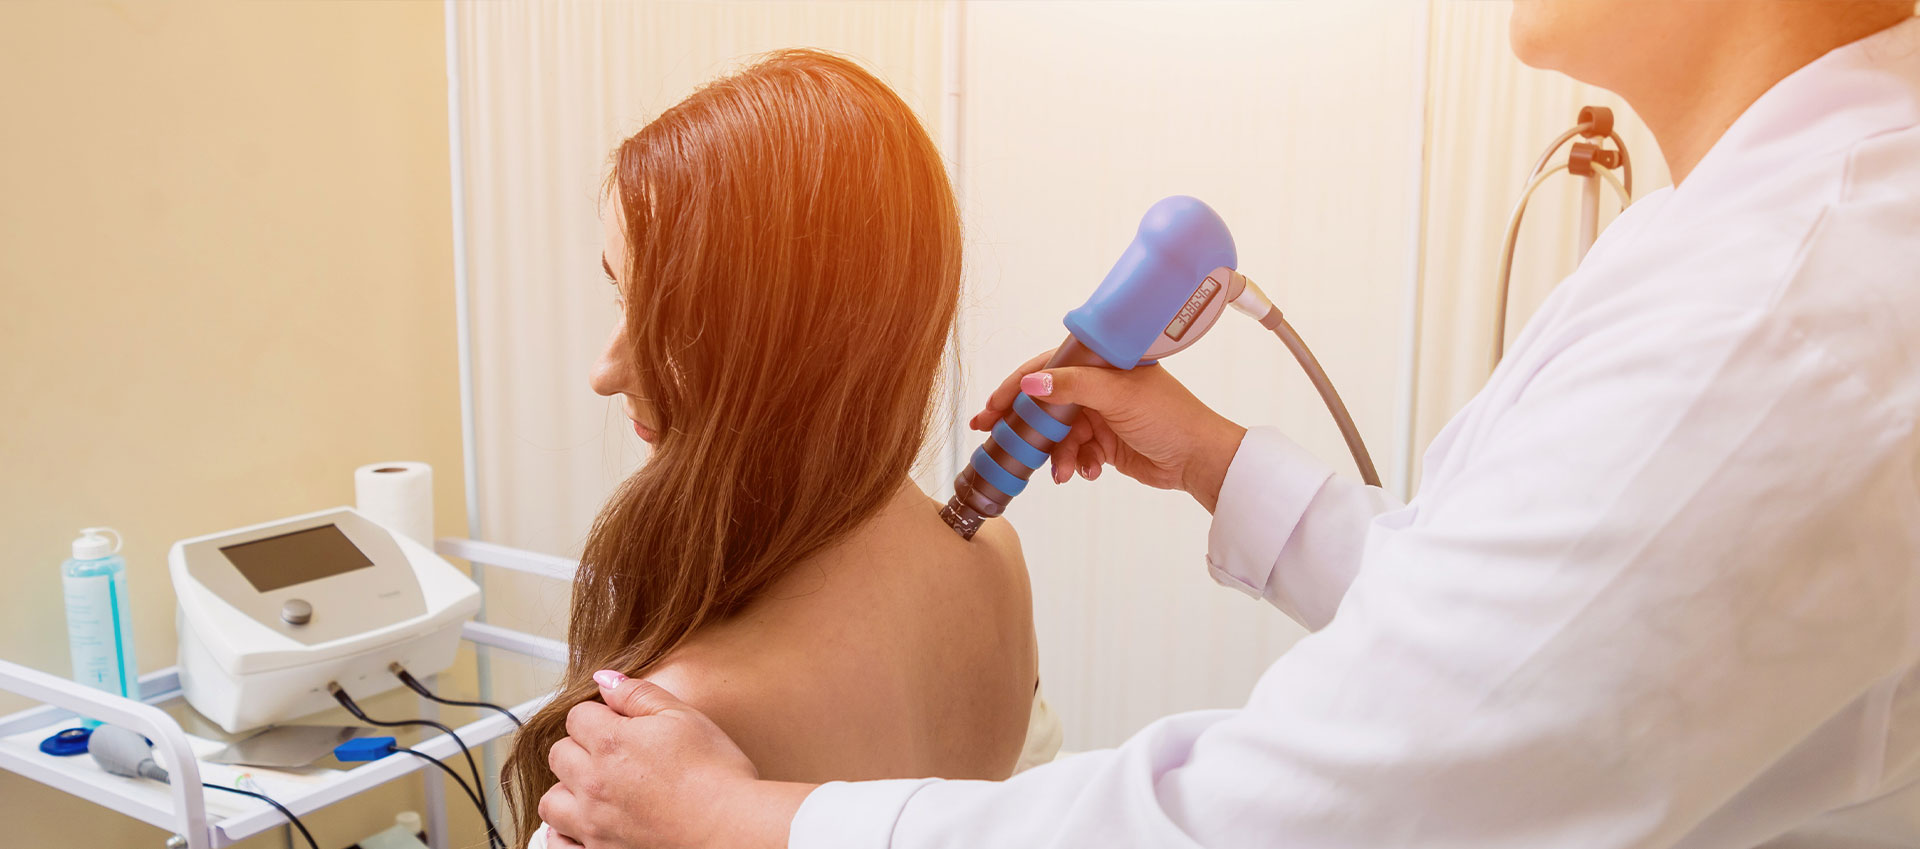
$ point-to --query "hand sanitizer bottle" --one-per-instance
(99, 627)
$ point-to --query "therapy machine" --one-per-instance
(1165, 292)
(273, 614)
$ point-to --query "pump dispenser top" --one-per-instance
(91, 545)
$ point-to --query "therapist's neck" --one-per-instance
(1702, 81)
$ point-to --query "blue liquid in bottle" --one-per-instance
(99, 624)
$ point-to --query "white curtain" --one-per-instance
(1302, 123)
(1489, 118)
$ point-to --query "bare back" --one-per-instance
(902, 651)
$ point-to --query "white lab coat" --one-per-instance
(1660, 586)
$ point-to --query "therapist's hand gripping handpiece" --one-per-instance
(1166, 291)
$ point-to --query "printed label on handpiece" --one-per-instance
(1183, 320)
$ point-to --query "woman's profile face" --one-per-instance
(615, 374)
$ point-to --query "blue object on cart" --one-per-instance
(65, 744)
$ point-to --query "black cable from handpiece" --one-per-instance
(276, 806)
(493, 834)
(415, 685)
(346, 701)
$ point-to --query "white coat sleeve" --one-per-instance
(1645, 614)
(1288, 529)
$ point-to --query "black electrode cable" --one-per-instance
(346, 701)
(276, 806)
(493, 833)
(415, 685)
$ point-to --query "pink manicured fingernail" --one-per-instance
(1090, 471)
(608, 679)
(1062, 474)
(1038, 385)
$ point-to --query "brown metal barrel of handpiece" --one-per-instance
(974, 499)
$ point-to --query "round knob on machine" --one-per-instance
(296, 612)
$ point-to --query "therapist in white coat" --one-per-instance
(1660, 586)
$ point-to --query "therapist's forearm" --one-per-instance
(1206, 467)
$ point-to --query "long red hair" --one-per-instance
(794, 268)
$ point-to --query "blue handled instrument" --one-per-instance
(1164, 293)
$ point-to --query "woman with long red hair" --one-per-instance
(786, 251)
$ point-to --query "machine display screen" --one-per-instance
(296, 558)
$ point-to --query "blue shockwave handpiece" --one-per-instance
(1163, 294)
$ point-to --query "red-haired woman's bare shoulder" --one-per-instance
(903, 651)
(999, 549)
(771, 704)
(999, 537)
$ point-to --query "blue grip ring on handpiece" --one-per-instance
(1003, 480)
(1040, 420)
(1019, 449)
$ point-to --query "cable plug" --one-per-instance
(1253, 303)
(365, 749)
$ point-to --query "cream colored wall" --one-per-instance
(225, 281)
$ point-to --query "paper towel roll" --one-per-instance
(399, 496)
